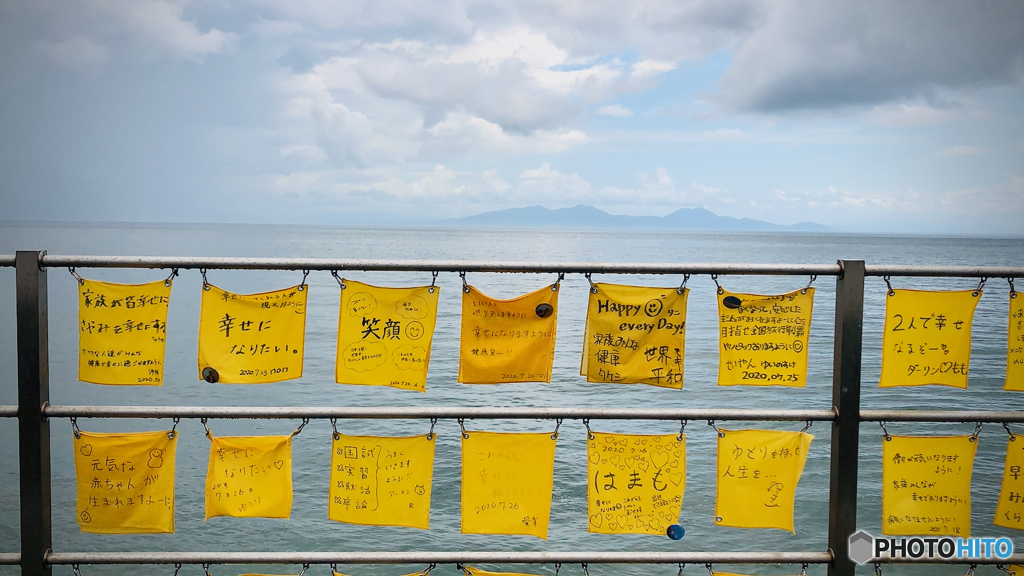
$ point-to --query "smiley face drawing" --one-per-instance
(653, 307)
(156, 458)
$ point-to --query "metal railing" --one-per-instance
(33, 411)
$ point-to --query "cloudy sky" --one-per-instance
(864, 115)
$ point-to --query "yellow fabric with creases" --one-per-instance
(384, 335)
(507, 479)
(471, 571)
(762, 340)
(758, 472)
(122, 329)
(927, 338)
(507, 340)
(635, 482)
(125, 482)
(249, 476)
(635, 335)
(253, 338)
(1015, 346)
(382, 481)
(1010, 508)
(926, 485)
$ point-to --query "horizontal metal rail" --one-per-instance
(65, 558)
(939, 416)
(6, 260)
(947, 271)
(7, 411)
(10, 559)
(440, 412)
(431, 265)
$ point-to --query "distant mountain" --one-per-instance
(589, 217)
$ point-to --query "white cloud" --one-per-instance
(615, 110)
(162, 22)
(961, 151)
(647, 68)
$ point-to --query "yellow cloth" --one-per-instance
(249, 476)
(382, 481)
(758, 471)
(635, 335)
(927, 338)
(255, 338)
(636, 482)
(471, 571)
(1015, 347)
(763, 340)
(122, 329)
(1016, 570)
(926, 485)
(1010, 508)
(507, 340)
(507, 480)
(125, 482)
(384, 335)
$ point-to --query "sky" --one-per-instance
(867, 116)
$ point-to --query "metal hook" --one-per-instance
(430, 435)
(558, 566)
(465, 285)
(681, 566)
(304, 568)
(462, 425)
(81, 281)
(1004, 568)
(717, 429)
(586, 572)
(586, 422)
(334, 569)
(714, 278)
(682, 428)
(884, 431)
(813, 278)
(981, 284)
(206, 569)
(338, 278)
(177, 566)
(174, 427)
(977, 430)
(682, 287)
(1013, 291)
(433, 281)
(430, 567)
(208, 433)
(890, 291)
(970, 571)
(878, 569)
(76, 570)
(807, 426)
(301, 426)
(558, 282)
(334, 425)
(558, 424)
(803, 569)
(710, 571)
(302, 285)
(206, 286)
(167, 281)
(1007, 426)
(74, 427)
(593, 287)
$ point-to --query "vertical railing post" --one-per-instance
(842, 501)
(33, 431)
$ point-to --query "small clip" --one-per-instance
(717, 429)
(889, 290)
(682, 428)
(590, 435)
(206, 286)
(878, 569)
(710, 571)
(74, 427)
(1013, 291)
(586, 572)
(807, 426)
(334, 569)
(681, 566)
(177, 566)
(977, 430)
(1004, 568)
(301, 426)
(593, 287)
(430, 435)
(173, 433)
(334, 425)
(338, 278)
(970, 571)
(302, 285)
(76, 570)
(429, 567)
(81, 281)
(206, 569)
(1007, 426)
(558, 566)
(558, 282)
(462, 425)
(981, 284)
(304, 568)
(884, 431)
(803, 569)
(805, 288)
(465, 286)
(208, 433)
(465, 569)
(558, 424)
(167, 281)
(433, 282)
(682, 287)
(714, 278)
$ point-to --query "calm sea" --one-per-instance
(309, 528)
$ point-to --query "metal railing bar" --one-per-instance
(65, 558)
(10, 559)
(213, 263)
(939, 416)
(7, 260)
(7, 411)
(956, 271)
(442, 412)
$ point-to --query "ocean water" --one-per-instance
(309, 528)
